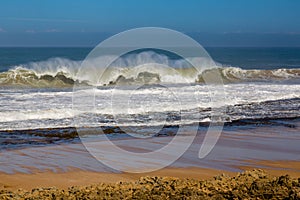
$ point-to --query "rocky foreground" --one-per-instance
(256, 184)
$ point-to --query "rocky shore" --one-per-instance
(255, 184)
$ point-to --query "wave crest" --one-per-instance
(238, 75)
(29, 78)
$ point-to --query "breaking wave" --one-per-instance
(238, 75)
(61, 72)
(55, 72)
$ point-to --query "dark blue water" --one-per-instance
(11, 57)
(243, 57)
(257, 57)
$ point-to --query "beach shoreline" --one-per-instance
(77, 177)
(238, 149)
(163, 184)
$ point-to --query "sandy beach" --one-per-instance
(64, 180)
(238, 149)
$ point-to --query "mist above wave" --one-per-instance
(62, 72)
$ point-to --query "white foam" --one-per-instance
(131, 106)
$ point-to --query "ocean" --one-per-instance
(262, 87)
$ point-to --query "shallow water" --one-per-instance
(237, 146)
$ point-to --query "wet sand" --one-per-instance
(64, 180)
(274, 149)
(80, 178)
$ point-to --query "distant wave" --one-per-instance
(234, 74)
(61, 72)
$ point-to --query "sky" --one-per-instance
(88, 22)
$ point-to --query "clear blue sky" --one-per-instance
(87, 22)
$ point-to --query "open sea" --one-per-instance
(261, 85)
